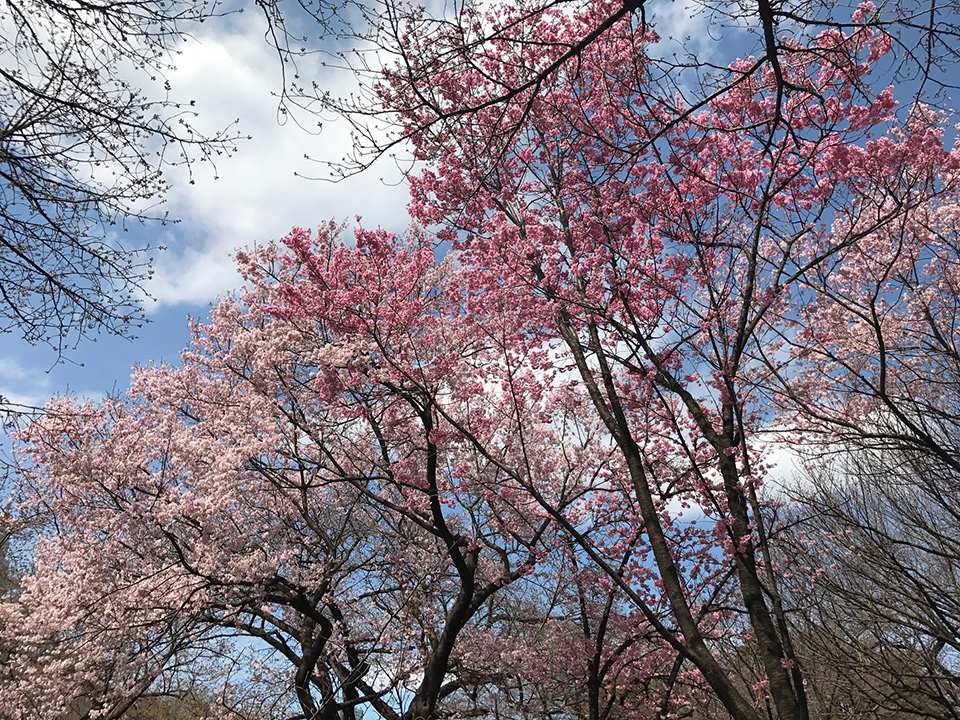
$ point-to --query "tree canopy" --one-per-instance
(529, 475)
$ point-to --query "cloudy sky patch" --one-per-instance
(262, 191)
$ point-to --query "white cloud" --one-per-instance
(23, 385)
(786, 463)
(235, 75)
(687, 24)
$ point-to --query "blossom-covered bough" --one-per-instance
(684, 75)
(523, 478)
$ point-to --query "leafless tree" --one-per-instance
(86, 128)
(879, 531)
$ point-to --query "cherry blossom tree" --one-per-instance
(82, 125)
(294, 485)
(660, 252)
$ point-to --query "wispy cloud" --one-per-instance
(23, 385)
